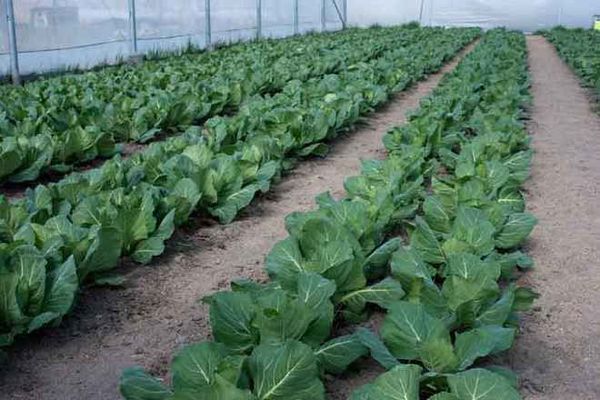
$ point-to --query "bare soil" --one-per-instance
(558, 353)
(157, 312)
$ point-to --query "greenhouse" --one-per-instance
(299, 200)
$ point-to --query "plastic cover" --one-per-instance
(58, 34)
(55, 34)
(233, 20)
(172, 25)
(4, 59)
(529, 16)
(278, 18)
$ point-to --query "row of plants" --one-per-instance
(579, 48)
(430, 235)
(78, 229)
(48, 125)
(460, 267)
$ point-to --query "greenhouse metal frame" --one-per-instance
(39, 36)
(339, 6)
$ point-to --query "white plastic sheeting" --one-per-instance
(526, 15)
(278, 18)
(53, 34)
(57, 34)
(169, 25)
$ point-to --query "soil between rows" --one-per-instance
(558, 353)
(158, 312)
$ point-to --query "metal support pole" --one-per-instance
(345, 12)
(421, 12)
(323, 16)
(560, 14)
(132, 27)
(12, 43)
(340, 13)
(258, 19)
(296, 18)
(207, 25)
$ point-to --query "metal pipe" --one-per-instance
(207, 25)
(12, 43)
(345, 12)
(296, 18)
(132, 27)
(340, 14)
(258, 19)
(560, 14)
(421, 12)
(323, 16)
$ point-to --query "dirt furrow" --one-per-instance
(158, 310)
(558, 353)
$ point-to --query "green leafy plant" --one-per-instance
(578, 47)
(51, 124)
(448, 293)
(128, 208)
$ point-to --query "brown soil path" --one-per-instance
(157, 312)
(558, 354)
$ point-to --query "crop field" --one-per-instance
(378, 213)
(579, 48)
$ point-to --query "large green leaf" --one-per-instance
(154, 246)
(135, 384)
(436, 215)
(471, 232)
(408, 327)
(407, 266)
(183, 199)
(377, 348)
(469, 296)
(285, 262)
(10, 159)
(316, 292)
(221, 389)
(401, 383)
(10, 311)
(231, 316)
(424, 241)
(509, 262)
(498, 312)
(516, 230)
(63, 284)
(229, 206)
(471, 267)
(482, 342)
(415, 275)
(206, 367)
(332, 251)
(281, 317)
(286, 371)
(30, 267)
(376, 264)
(519, 164)
(437, 355)
(497, 174)
(337, 354)
(480, 384)
(103, 253)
